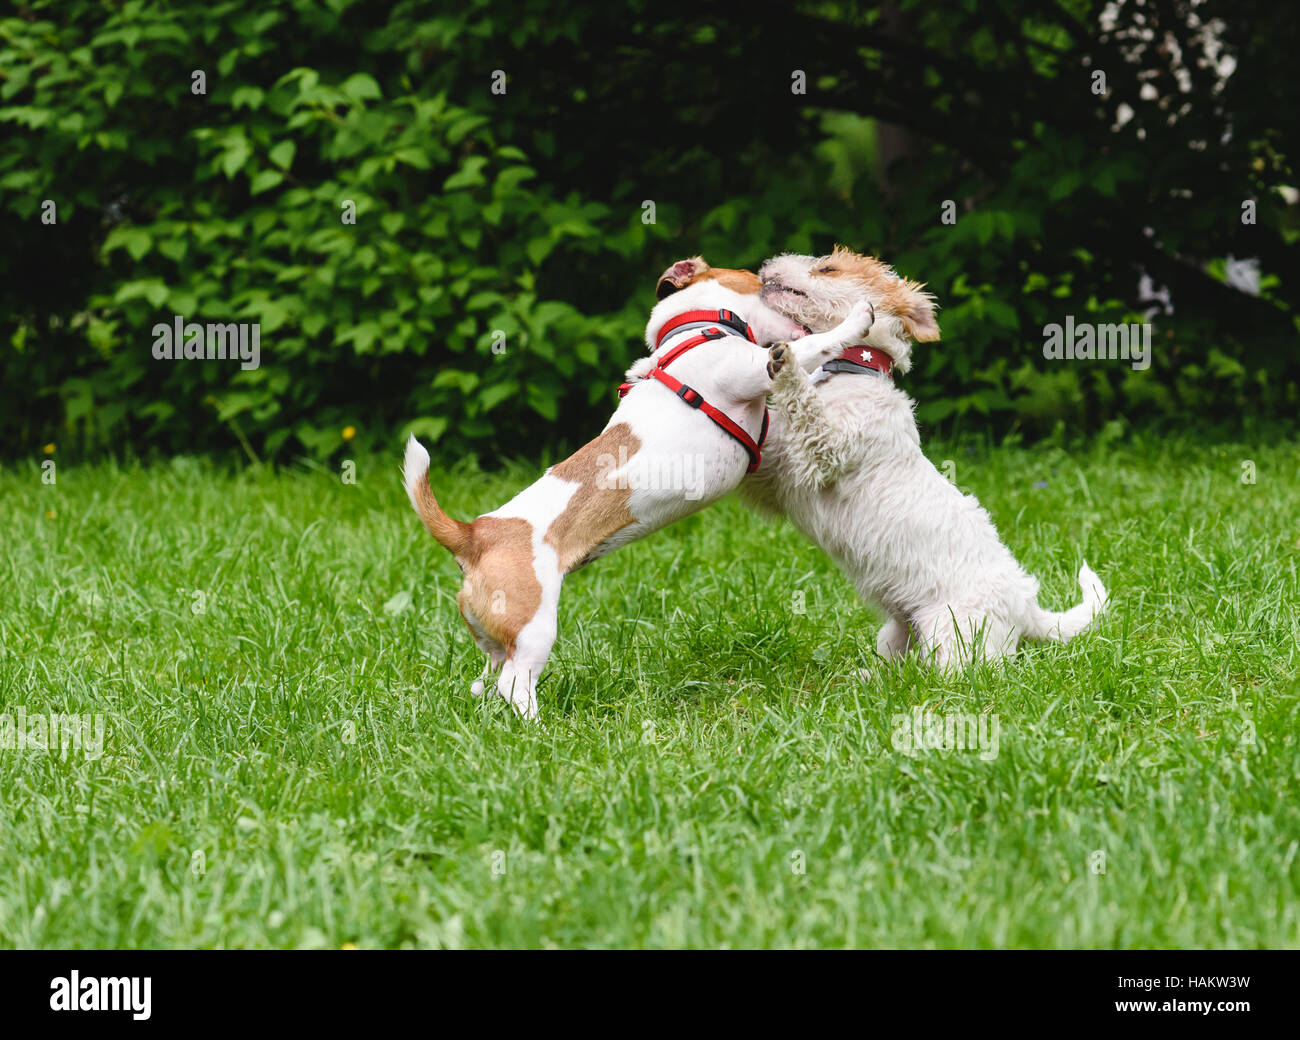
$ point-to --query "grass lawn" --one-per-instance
(292, 756)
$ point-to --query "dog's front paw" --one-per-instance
(777, 356)
(860, 319)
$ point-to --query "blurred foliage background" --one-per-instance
(496, 281)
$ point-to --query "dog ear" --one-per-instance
(918, 319)
(679, 276)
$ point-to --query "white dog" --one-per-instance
(679, 440)
(844, 463)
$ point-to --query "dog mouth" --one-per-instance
(771, 289)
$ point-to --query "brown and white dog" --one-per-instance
(844, 463)
(702, 419)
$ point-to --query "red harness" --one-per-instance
(709, 322)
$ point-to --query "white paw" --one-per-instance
(860, 319)
(477, 688)
(526, 707)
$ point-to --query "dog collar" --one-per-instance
(729, 320)
(862, 360)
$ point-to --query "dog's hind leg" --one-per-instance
(950, 641)
(519, 675)
(496, 657)
(894, 639)
(496, 653)
(508, 684)
(518, 684)
(939, 639)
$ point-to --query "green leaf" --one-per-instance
(412, 157)
(247, 97)
(1065, 185)
(134, 240)
(493, 395)
(361, 336)
(264, 180)
(510, 178)
(539, 248)
(361, 86)
(173, 249)
(428, 428)
(232, 161)
(282, 154)
(152, 289)
(468, 176)
(544, 404)
(465, 382)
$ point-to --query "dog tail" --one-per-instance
(1063, 626)
(453, 534)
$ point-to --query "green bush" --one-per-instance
(373, 235)
(495, 282)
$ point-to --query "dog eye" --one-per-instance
(826, 270)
